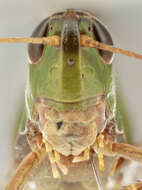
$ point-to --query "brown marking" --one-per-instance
(70, 14)
(34, 136)
(110, 132)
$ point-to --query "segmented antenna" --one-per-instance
(85, 41)
(100, 187)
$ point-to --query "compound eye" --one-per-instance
(35, 50)
(102, 35)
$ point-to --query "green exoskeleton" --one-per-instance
(72, 122)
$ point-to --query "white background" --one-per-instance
(18, 18)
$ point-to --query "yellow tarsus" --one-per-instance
(100, 152)
(101, 161)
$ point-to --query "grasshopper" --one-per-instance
(72, 127)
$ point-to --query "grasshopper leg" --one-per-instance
(116, 165)
(124, 150)
(111, 148)
(21, 174)
(127, 151)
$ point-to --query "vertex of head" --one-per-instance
(70, 33)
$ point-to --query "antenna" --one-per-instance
(85, 41)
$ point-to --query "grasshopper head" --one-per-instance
(68, 75)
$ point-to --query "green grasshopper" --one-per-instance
(72, 122)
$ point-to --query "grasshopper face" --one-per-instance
(68, 75)
(68, 85)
